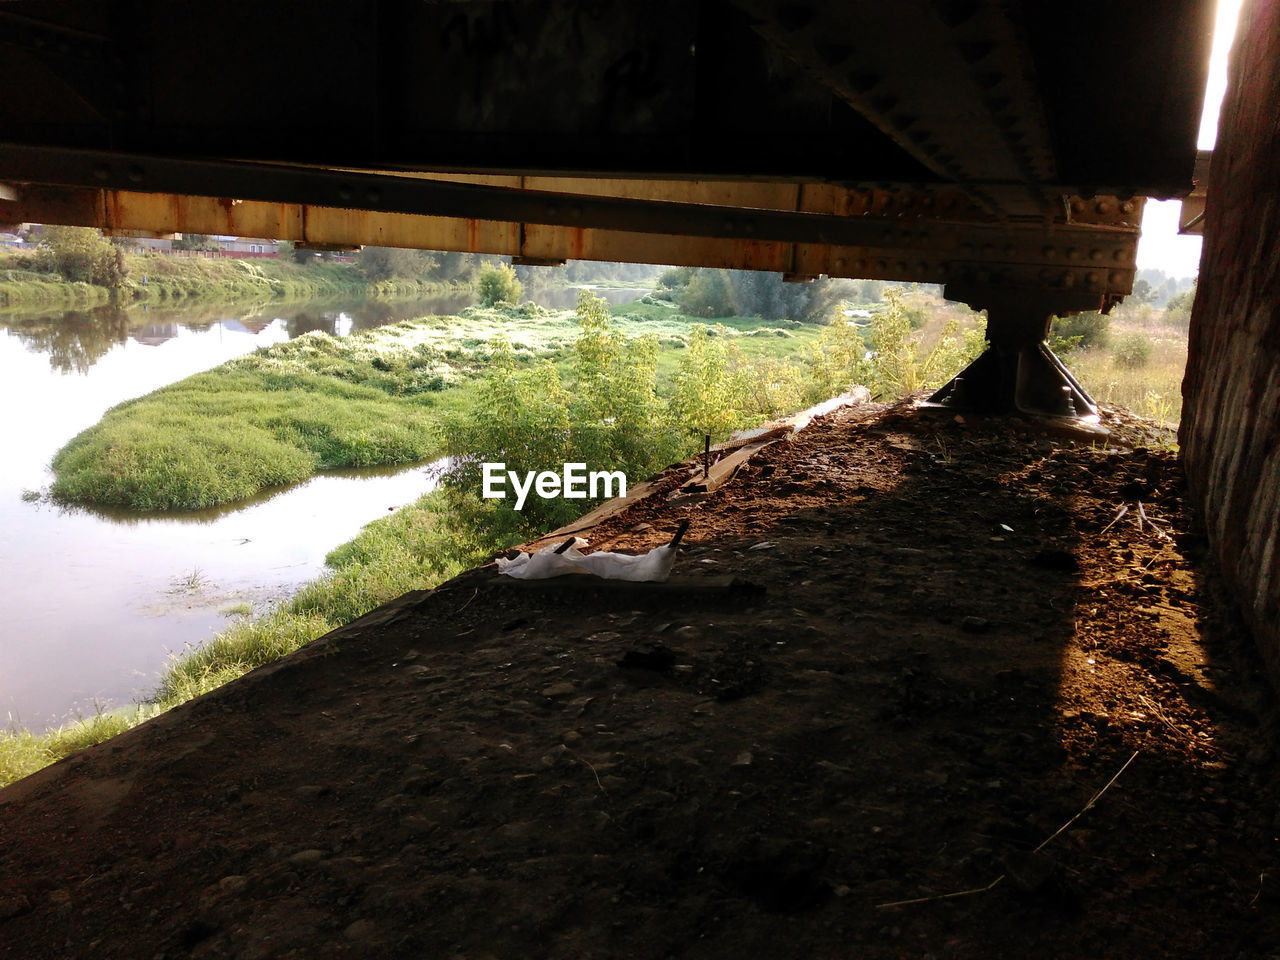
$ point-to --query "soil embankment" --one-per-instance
(900, 654)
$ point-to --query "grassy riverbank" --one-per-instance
(376, 398)
(273, 417)
(163, 279)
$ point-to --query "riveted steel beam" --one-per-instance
(444, 198)
(1077, 267)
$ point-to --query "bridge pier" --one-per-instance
(1018, 373)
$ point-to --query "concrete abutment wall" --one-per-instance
(1230, 431)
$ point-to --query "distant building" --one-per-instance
(153, 244)
(251, 245)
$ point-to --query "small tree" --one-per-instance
(389, 263)
(707, 394)
(498, 284)
(709, 294)
(1177, 312)
(83, 255)
(1132, 350)
(618, 418)
(901, 365)
(1087, 329)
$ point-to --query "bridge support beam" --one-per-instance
(1017, 373)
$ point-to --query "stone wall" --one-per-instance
(1231, 416)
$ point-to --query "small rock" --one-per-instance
(233, 884)
(307, 856)
(687, 632)
(554, 756)
(311, 791)
(975, 624)
(562, 689)
(420, 673)
(743, 759)
(361, 929)
(763, 545)
(641, 527)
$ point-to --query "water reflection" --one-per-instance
(74, 340)
(364, 479)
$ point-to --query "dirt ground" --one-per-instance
(914, 690)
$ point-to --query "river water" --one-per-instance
(92, 603)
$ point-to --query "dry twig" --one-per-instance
(1119, 513)
(1094, 799)
(1151, 523)
(994, 883)
(1160, 715)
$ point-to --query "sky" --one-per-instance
(1160, 246)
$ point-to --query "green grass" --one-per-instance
(388, 558)
(23, 753)
(160, 279)
(274, 417)
(285, 413)
(29, 288)
(1152, 389)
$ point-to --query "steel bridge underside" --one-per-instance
(1003, 149)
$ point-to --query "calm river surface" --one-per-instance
(93, 603)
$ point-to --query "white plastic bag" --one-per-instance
(653, 566)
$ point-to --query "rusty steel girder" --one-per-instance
(1083, 258)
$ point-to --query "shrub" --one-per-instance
(1132, 350)
(709, 294)
(391, 263)
(1177, 312)
(900, 365)
(1088, 329)
(82, 254)
(499, 284)
(676, 278)
(707, 396)
(917, 316)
